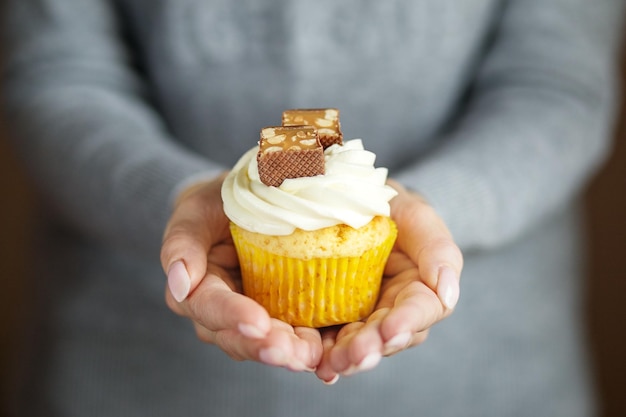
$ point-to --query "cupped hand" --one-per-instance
(204, 285)
(420, 287)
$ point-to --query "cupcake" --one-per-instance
(311, 226)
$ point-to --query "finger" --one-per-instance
(197, 223)
(311, 352)
(282, 347)
(439, 262)
(404, 341)
(360, 348)
(427, 241)
(338, 355)
(393, 285)
(233, 343)
(324, 370)
(416, 309)
(217, 307)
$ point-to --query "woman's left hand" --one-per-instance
(204, 285)
(420, 287)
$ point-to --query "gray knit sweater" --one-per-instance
(496, 111)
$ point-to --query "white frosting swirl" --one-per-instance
(352, 191)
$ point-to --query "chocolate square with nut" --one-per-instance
(289, 152)
(326, 121)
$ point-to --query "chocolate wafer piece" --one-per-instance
(289, 152)
(326, 121)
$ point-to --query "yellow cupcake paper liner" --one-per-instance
(313, 292)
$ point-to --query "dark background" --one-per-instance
(606, 287)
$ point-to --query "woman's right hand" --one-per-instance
(204, 285)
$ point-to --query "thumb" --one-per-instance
(426, 240)
(197, 223)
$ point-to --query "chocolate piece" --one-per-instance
(289, 152)
(326, 121)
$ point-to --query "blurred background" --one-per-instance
(606, 285)
(606, 278)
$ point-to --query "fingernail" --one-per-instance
(448, 287)
(297, 366)
(368, 362)
(178, 281)
(275, 356)
(251, 331)
(332, 381)
(272, 356)
(398, 342)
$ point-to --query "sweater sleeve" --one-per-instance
(79, 113)
(537, 121)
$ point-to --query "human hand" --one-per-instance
(204, 285)
(420, 287)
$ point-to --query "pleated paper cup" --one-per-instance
(315, 292)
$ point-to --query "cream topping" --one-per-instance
(352, 191)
